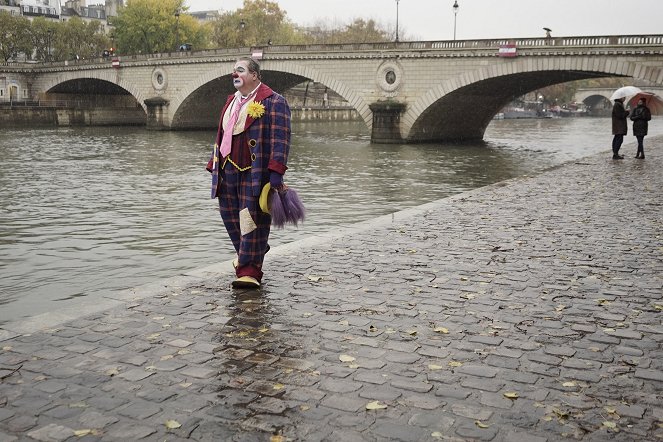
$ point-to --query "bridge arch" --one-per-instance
(53, 84)
(448, 112)
(278, 75)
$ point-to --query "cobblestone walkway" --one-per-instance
(525, 311)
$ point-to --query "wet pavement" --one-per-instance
(528, 310)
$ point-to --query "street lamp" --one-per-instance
(455, 8)
(397, 20)
(48, 49)
(177, 30)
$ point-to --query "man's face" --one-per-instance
(243, 80)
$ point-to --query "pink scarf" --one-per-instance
(226, 141)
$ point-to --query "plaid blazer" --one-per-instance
(268, 138)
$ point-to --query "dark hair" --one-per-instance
(253, 65)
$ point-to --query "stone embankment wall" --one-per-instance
(51, 116)
(325, 114)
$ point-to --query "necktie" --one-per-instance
(226, 141)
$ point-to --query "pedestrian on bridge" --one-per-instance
(251, 150)
(619, 127)
(640, 117)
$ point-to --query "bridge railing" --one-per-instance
(623, 41)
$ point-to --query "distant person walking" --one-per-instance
(640, 117)
(619, 127)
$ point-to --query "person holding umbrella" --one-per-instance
(619, 127)
(641, 116)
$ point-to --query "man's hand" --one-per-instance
(275, 180)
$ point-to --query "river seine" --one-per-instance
(88, 211)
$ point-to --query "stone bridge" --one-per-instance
(404, 92)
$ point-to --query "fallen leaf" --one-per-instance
(353, 366)
(186, 384)
(511, 395)
(607, 330)
(81, 433)
(610, 410)
(7, 348)
(166, 357)
(375, 405)
(435, 367)
(454, 364)
(78, 405)
(158, 318)
(436, 435)
(609, 424)
(304, 407)
(277, 438)
(112, 372)
(442, 330)
(153, 336)
(346, 358)
(263, 330)
(481, 424)
(278, 387)
(569, 384)
(171, 424)
(412, 332)
(344, 322)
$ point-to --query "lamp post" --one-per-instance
(48, 49)
(455, 8)
(397, 20)
(177, 30)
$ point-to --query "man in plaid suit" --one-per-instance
(251, 150)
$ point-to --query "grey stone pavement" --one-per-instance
(529, 310)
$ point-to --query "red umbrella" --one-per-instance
(652, 101)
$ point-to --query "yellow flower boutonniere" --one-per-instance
(255, 109)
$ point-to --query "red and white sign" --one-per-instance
(115, 63)
(508, 50)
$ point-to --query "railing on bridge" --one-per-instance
(616, 41)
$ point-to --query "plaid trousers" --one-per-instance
(234, 196)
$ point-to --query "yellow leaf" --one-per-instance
(158, 318)
(375, 405)
(435, 367)
(547, 418)
(263, 330)
(166, 357)
(171, 424)
(278, 387)
(153, 336)
(412, 332)
(511, 395)
(78, 405)
(353, 366)
(436, 435)
(112, 372)
(610, 410)
(277, 438)
(304, 407)
(658, 307)
(609, 330)
(442, 330)
(346, 358)
(7, 348)
(481, 424)
(609, 424)
(454, 364)
(569, 384)
(186, 384)
(81, 433)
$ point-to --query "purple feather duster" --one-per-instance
(276, 208)
(286, 207)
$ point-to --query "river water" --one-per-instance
(88, 211)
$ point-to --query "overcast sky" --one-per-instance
(476, 19)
